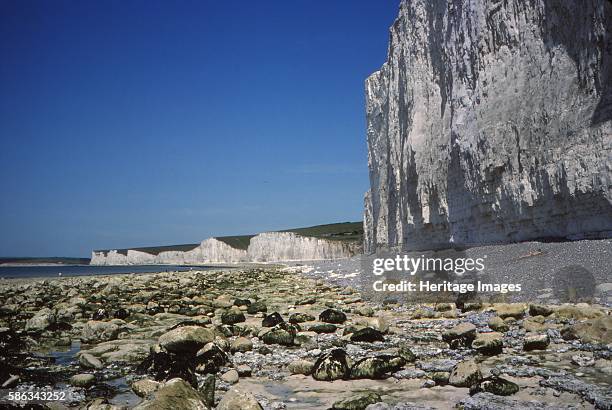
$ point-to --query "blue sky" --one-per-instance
(135, 123)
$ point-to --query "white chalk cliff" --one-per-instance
(265, 247)
(491, 122)
(210, 250)
(288, 246)
(111, 257)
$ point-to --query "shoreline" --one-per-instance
(14, 265)
(138, 269)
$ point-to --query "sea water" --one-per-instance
(37, 271)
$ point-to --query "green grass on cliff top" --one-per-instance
(343, 231)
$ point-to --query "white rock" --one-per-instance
(41, 320)
(175, 394)
(231, 376)
(99, 331)
(235, 399)
(486, 126)
(89, 361)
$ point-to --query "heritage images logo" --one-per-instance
(411, 265)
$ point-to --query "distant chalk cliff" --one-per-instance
(265, 247)
(288, 246)
(491, 122)
(210, 250)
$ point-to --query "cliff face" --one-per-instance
(111, 257)
(210, 250)
(265, 247)
(491, 122)
(219, 252)
(287, 246)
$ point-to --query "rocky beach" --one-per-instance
(489, 144)
(277, 338)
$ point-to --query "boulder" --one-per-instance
(101, 403)
(358, 401)
(300, 318)
(44, 318)
(468, 306)
(175, 394)
(515, 310)
(145, 387)
(364, 311)
(440, 378)
(579, 312)
(367, 334)
(231, 376)
(89, 361)
(533, 325)
(238, 400)
(241, 344)
(497, 324)
(257, 307)
(241, 302)
(232, 316)
(379, 323)
(210, 359)
(323, 328)
(536, 342)
(590, 331)
(495, 385)
(166, 366)
(186, 339)
(465, 374)
(300, 367)
(332, 316)
(489, 344)
(406, 353)
(244, 370)
(305, 340)
(82, 380)
(97, 331)
(444, 307)
(282, 334)
(331, 366)
(461, 335)
(272, 320)
(125, 351)
(223, 302)
(540, 310)
(377, 367)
